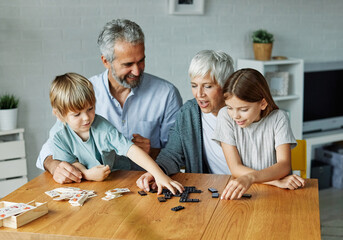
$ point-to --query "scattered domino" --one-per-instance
(110, 197)
(213, 190)
(117, 190)
(76, 196)
(178, 208)
(78, 199)
(215, 195)
(246, 195)
(142, 193)
(114, 193)
(161, 199)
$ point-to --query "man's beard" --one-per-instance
(123, 82)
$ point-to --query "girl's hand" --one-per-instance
(291, 182)
(145, 180)
(165, 181)
(97, 173)
(237, 187)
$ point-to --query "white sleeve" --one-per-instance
(44, 153)
(48, 146)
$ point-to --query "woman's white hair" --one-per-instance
(216, 63)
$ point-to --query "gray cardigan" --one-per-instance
(185, 143)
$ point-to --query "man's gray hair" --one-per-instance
(216, 63)
(118, 30)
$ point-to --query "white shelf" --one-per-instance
(292, 103)
(13, 169)
(285, 98)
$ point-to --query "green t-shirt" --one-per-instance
(104, 144)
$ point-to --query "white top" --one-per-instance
(256, 144)
(213, 152)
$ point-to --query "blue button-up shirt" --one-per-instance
(149, 110)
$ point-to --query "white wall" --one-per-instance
(40, 39)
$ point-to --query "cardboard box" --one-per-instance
(333, 155)
(321, 171)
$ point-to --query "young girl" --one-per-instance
(255, 135)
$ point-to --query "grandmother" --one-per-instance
(190, 145)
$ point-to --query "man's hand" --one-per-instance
(63, 172)
(142, 142)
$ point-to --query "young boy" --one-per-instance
(89, 141)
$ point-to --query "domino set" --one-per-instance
(184, 196)
(75, 196)
(15, 215)
(114, 193)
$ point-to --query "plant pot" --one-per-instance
(8, 119)
(263, 51)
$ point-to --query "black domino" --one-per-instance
(142, 193)
(213, 190)
(246, 195)
(178, 208)
(161, 199)
(215, 195)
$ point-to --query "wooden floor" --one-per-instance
(331, 213)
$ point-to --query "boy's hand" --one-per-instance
(291, 182)
(165, 181)
(145, 180)
(97, 173)
(66, 173)
(237, 187)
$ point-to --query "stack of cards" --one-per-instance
(76, 196)
(115, 193)
(14, 209)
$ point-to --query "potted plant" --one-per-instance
(8, 112)
(263, 44)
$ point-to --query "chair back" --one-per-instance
(298, 155)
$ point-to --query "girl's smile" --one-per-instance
(244, 113)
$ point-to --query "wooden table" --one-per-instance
(271, 213)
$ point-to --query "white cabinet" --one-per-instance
(318, 139)
(293, 102)
(13, 170)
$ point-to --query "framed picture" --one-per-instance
(186, 7)
(278, 83)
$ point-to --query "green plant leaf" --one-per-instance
(8, 101)
(262, 36)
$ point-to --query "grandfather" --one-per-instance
(139, 105)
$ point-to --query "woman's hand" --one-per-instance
(237, 187)
(145, 180)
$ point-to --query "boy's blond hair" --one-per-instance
(71, 92)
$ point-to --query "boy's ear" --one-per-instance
(264, 104)
(106, 63)
(57, 114)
